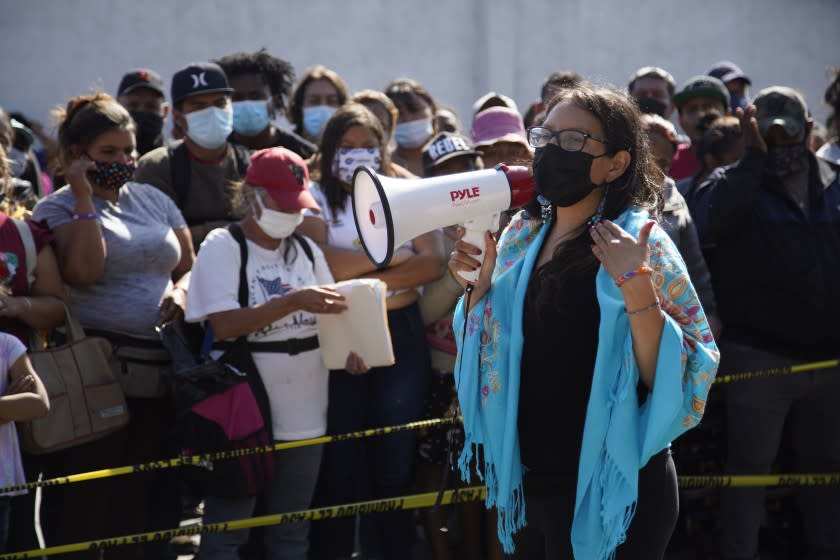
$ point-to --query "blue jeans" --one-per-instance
(5, 509)
(378, 467)
(296, 471)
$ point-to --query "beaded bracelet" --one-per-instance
(89, 216)
(628, 275)
(654, 305)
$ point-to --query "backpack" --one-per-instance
(222, 404)
(180, 170)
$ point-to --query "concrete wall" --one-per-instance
(53, 49)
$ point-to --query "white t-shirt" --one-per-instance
(341, 225)
(296, 385)
(11, 469)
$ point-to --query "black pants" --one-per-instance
(757, 411)
(548, 532)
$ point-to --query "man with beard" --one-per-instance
(699, 96)
(141, 93)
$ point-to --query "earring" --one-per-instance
(596, 217)
(546, 208)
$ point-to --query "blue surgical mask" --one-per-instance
(348, 159)
(210, 127)
(250, 117)
(314, 119)
(413, 134)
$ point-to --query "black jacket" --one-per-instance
(775, 268)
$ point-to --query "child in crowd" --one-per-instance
(22, 397)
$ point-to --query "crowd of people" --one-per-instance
(590, 341)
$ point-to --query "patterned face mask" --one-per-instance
(348, 159)
(111, 175)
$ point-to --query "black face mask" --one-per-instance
(149, 130)
(652, 106)
(561, 176)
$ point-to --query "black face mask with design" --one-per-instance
(562, 176)
(786, 160)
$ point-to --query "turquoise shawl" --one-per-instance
(619, 436)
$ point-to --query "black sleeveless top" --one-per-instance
(560, 329)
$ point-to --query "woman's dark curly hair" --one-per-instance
(640, 185)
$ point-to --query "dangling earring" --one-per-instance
(596, 217)
(546, 208)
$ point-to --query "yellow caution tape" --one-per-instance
(415, 501)
(206, 458)
(772, 372)
(759, 481)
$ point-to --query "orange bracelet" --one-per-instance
(628, 275)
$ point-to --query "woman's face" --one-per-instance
(422, 110)
(114, 146)
(565, 116)
(320, 92)
(359, 137)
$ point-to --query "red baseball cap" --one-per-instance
(284, 175)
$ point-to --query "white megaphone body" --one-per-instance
(389, 212)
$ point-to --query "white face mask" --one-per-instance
(210, 127)
(277, 225)
(348, 159)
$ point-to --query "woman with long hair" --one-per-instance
(583, 349)
(383, 396)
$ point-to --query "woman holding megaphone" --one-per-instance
(383, 396)
(583, 349)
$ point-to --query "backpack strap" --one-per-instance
(243, 159)
(304, 244)
(30, 252)
(237, 233)
(253, 376)
(179, 171)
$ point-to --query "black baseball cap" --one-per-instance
(702, 86)
(726, 71)
(198, 78)
(140, 78)
(782, 106)
(443, 147)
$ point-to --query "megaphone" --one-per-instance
(389, 212)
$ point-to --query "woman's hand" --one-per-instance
(461, 259)
(76, 176)
(173, 305)
(355, 364)
(619, 251)
(319, 300)
(14, 306)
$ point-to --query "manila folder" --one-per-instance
(362, 328)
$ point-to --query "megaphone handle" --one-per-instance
(474, 235)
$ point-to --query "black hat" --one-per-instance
(702, 86)
(726, 71)
(198, 78)
(140, 78)
(783, 106)
(444, 147)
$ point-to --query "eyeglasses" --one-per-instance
(570, 140)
